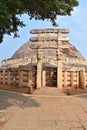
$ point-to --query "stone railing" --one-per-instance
(67, 62)
(20, 76)
(15, 62)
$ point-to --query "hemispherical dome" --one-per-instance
(26, 51)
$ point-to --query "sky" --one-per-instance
(76, 23)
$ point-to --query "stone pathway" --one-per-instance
(46, 113)
(50, 91)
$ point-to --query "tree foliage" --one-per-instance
(10, 10)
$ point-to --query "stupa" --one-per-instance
(52, 54)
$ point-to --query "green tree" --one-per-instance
(10, 10)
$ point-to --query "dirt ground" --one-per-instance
(74, 90)
(1, 125)
(67, 90)
(14, 88)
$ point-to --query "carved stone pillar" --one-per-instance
(44, 78)
(29, 78)
(20, 77)
(72, 78)
(59, 69)
(65, 78)
(82, 79)
(3, 76)
(39, 68)
(9, 77)
(78, 79)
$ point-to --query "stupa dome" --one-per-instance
(26, 51)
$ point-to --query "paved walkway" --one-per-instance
(44, 112)
(48, 91)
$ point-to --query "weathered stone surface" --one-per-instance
(26, 51)
(35, 31)
(2, 117)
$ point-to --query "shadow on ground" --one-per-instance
(8, 99)
(81, 95)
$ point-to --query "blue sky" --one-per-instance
(76, 23)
